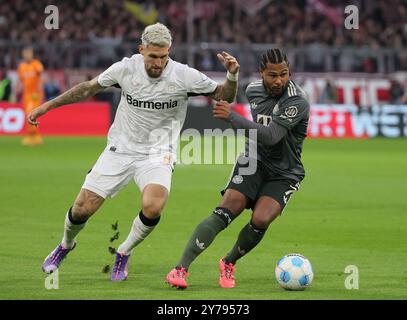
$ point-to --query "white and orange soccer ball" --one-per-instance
(294, 272)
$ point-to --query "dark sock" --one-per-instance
(204, 234)
(147, 221)
(73, 221)
(249, 237)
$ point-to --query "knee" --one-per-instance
(261, 221)
(265, 212)
(234, 201)
(86, 204)
(82, 210)
(152, 207)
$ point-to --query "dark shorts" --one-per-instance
(262, 183)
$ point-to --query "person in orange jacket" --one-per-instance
(31, 86)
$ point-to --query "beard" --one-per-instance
(154, 73)
(277, 92)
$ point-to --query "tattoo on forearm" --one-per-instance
(229, 90)
(77, 93)
(226, 92)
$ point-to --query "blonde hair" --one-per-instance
(156, 34)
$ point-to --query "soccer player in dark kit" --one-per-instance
(280, 112)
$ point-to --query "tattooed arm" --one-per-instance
(77, 93)
(227, 91)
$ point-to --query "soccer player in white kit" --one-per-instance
(142, 140)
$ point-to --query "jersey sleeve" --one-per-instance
(39, 67)
(253, 90)
(291, 112)
(249, 92)
(112, 75)
(198, 83)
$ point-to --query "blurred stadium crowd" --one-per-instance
(341, 69)
(93, 34)
(288, 22)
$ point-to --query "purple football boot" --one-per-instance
(120, 270)
(54, 259)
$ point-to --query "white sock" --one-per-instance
(70, 232)
(139, 231)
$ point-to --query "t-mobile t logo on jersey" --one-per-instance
(151, 104)
(264, 120)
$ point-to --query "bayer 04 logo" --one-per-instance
(294, 272)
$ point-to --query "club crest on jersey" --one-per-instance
(171, 88)
(291, 112)
(158, 105)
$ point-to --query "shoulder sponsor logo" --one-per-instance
(291, 112)
(158, 105)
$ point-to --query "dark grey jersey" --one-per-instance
(291, 111)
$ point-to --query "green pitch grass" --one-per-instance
(351, 210)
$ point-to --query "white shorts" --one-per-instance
(113, 171)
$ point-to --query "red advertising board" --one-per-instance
(87, 118)
(351, 121)
(326, 121)
(332, 122)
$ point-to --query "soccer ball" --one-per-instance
(294, 272)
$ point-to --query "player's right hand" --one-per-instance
(229, 62)
(35, 114)
(222, 110)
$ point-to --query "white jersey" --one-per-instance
(151, 111)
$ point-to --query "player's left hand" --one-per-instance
(222, 110)
(229, 62)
